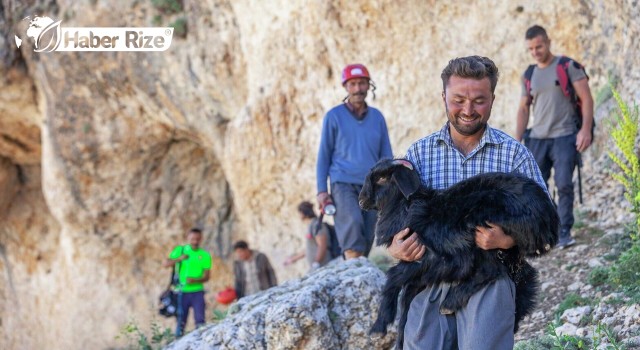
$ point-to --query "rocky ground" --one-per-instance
(565, 273)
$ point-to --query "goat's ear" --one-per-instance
(407, 180)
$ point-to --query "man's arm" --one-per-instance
(409, 249)
(325, 152)
(583, 139)
(204, 278)
(170, 262)
(523, 117)
(293, 258)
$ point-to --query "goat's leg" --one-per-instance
(389, 303)
(410, 292)
(527, 285)
(459, 294)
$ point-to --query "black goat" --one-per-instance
(445, 222)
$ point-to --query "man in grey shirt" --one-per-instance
(554, 138)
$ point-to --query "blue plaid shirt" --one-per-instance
(441, 165)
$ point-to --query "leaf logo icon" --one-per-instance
(49, 39)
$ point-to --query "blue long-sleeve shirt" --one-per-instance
(349, 147)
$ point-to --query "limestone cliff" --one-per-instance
(107, 158)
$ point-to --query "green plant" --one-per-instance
(626, 271)
(565, 341)
(598, 276)
(605, 92)
(570, 301)
(138, 340)
(537, 343)
(180, 27)
(579, 216)
(383, 262)
(604, 331)
(595, 232)
(167, 6)
(157, 20)
(571, 267)
(614, 301)
(624, 135)
(219, 315)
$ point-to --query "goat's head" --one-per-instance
(388, 179)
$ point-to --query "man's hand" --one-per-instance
(322, 198)
(409, 249)
(183, 257)
(493, 237)
(583, 139)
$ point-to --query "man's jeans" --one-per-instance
(354, 226)
(560, 154)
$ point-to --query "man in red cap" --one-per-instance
(354, 137)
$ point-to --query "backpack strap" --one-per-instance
(562, 71)
(175, 271)
(527, 82)
(319, 224)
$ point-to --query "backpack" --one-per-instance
(334, 246)
(168, 300)
(562, 70)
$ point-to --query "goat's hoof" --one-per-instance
(378, 328)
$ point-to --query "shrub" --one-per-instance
(543, 342)
(565, 341)
(570, 301)
(625, 273)
(137, 339)
(598, 276)
(180, 27)
(625, 134)
(167, 6)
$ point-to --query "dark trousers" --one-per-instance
(354, 226)
(193, 300)
(560, 154)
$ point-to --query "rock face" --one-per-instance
(106, 159)
(331, 308)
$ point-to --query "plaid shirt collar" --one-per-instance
(488, 137)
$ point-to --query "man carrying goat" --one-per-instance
(464, 147)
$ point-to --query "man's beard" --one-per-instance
(467, 130)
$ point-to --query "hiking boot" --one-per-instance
(564, 243)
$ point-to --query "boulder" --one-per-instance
(330, 308)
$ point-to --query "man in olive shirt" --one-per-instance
(193, 265)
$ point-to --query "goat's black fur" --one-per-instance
(445, 222)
